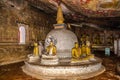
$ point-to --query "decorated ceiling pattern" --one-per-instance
(101, 12)
(95, 8)
(90, 8)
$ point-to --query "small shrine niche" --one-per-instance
(23, 34)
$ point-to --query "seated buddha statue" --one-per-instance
(82, 39)
(36, 50)
(51, 49)
(83, 49)
(50, 58)
(76, 51)
(110, 40)
(88, 49)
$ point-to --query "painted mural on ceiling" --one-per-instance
(90, 8)
(100, 4)
(96, 8)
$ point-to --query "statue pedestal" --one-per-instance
(63, 70)
(86, 59)
(32, 58)
(49, 60)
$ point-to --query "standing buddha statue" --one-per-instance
(36, 50)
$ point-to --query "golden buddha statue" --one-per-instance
(83, 49)
(51, 49)
(110, 40)
(82, 39)
(88, 50)
(97, 40)
(76, 51)
(36, 51)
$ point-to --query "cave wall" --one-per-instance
(16, 13)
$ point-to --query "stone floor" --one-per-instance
(14, 71)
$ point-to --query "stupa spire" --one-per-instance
(60, 18)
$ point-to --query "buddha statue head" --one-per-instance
(35, 44)
(51, 43)
(76, 45)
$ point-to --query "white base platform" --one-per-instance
(66, 71)
(32, 58)
(49, 60)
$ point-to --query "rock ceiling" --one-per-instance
(101, 12)
(90, 8)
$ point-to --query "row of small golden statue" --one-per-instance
(50, 50)
(98, 39)
(38, 50)
(82, 53)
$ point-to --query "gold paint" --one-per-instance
(35, 51)
(76, 51)
(91, 5)
(60, 18)
(83, 53)
(88, 50)
(51, 49)
(113, 4)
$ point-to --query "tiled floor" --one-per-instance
(14, 71)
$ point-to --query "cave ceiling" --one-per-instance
(105, 13)
(90, 8)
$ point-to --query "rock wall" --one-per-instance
(13, 15)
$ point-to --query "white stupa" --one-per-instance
(63, 39)
(54, 68)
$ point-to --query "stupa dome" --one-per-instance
(62, 38)
(64, 41)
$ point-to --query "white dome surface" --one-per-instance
(65, 40)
